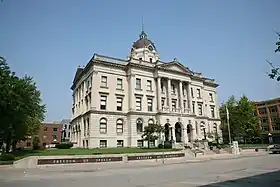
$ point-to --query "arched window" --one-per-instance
(103, 125)
(119, 126)
(150, 122)
(139, 125)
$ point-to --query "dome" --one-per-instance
(143, 42)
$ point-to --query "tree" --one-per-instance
(151, 132)
(275, 71)
(21, 111)
(247, 120)
(242, 121)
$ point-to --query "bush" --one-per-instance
(7, 157)
(167, 145)
(35, 143)
(64, 146)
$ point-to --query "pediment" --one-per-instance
(175, 66)
(78, 71)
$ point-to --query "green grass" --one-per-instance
(6, 162)
(79, 151)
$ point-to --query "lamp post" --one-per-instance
(204, 132)
(270, 139)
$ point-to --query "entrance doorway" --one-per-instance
(166, 132)
(178, 132)
(189, 132)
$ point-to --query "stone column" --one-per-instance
(169, 101)
(270, 129)
(181, 96)
(159, 94)
(217, 113)
(189, 96)
(173, 134)
(131, 87)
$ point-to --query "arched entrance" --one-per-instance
(189, 132)
(166, 132)
(203, 130)
(178, 132)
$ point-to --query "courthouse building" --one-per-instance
(114, 99)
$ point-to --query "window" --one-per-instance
(151, 60)
(46, 129)
(119, 126)
(211, 97)
(198, 93)
(162, 103)
(28, 144)
(119, 143)
(119, 103)
(103, 81)
(212, 112)
(200, 109)
(139, 143)
(54, 129)
(138, 103)
(68, 135)
(138, 83)
(103, 125)
(149, 85)
(152, 143)
(192, 92)
(150, 122)
(54, 137)
(119, 84)
(103, 143)
(139, 126)
(103, 101)
(172, 89)
(150, 104)
(140, 58)
(173, 102)
(185, 104)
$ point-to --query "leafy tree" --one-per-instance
(36, 142)
(275, 71)
(247, 120)
(21, 111)
(242, 121)
(151, 132)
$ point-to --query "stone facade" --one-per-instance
(113, 99)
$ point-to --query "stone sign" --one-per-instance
(159, 156)
(78, 160)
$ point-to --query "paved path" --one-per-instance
(172, 175)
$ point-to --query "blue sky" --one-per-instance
(225, 40)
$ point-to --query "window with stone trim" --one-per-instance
(149, 85)
(150, 104)
(103, 81)
(199, 108)
(198, 93)
(103, 125)
(138, 83)
(119, 143)
(140, 143)
(103, 143)
(119, 126)
(103, 102)
(138, 103)
(119, 103)
(119, 83)
(212, 111)
(139, 125)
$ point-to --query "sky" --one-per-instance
(225, 40)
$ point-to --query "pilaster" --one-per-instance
(181, 96)
(169, 101)
(131, 87)
(158, 93)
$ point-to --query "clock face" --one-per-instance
(150, 48)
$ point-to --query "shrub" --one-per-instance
(35, 143)
(7, 157)
(64, 146)
(167, 145)
(160, 146)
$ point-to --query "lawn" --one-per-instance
(79, 151)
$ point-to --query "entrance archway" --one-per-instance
(189, 132)
(203, 130)
(166, 132)
(178, 132)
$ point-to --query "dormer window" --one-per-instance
(151, 60)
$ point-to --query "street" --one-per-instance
(256, 171)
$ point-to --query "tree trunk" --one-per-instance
(14, 145)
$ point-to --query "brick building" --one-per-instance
(49, 133)
(268, 112)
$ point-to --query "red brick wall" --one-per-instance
(46, 134)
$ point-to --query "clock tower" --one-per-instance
(144, 49)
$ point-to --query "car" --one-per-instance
(275, 148)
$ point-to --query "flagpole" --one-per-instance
(229, 135)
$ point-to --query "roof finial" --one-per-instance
(143, 34)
